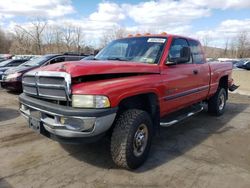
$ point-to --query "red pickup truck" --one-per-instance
(128, 90)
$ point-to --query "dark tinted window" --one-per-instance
(16, 63)
(57, 60)
(73, 58)
(175, 49)
(196, 52)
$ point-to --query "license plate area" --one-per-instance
(35, 124)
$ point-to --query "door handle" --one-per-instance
(195, 71)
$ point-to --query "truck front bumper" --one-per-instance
(64, 123)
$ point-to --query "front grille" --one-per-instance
(48, 85)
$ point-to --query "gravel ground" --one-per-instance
(203, 151)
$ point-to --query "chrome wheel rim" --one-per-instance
(221, 102)
(140, 140)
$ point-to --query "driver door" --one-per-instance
(179, 80)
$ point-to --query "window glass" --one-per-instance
(57, 60)
(135, 49)
(175, 49)
(72, 58)
(6, 62)
(196, 51)
(38, 61)
(118, 50)
(16, 63)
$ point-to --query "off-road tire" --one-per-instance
(214, 102)
(122, 140)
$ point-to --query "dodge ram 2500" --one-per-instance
(128, 90)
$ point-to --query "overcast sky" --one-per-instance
(219, 19)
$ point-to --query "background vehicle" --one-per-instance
(246, 65)
(12, 78)
(7, 64)
(133, 86)
(5, 57)
(242, 64)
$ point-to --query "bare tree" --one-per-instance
(68, 35)
(35, 32)
(78, 38)
(49, 38)
(225, 53)
(5, 41)
(242, 45)
(22, 42)
(112, 34)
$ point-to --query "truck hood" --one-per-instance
(83, 68)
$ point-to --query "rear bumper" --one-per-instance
(65, 123)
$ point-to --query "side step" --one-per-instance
(181, 115)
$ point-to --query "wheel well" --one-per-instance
(223, 83)
(147, 102)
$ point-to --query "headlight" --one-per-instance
(12, 76)
(90, 101)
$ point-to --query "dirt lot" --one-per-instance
(241, 77)
(204, 151)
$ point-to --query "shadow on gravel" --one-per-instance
(97, 153)
(4, 184)
(8, 113)
(172, 142)
(14, 92)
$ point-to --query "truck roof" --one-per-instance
(159, 35)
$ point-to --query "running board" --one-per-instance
(181, 115)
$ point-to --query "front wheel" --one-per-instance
(131, 139)
(217, 103)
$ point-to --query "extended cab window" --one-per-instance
(175, 49)
(196, 52)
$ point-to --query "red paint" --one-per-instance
(162, 80)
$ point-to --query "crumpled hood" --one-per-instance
(82, 68)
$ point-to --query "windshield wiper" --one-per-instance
(117, 58)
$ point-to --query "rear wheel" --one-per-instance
(131, 139)
(217, 103)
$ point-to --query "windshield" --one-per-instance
(141, 49)
(37, 61)
(4, 63)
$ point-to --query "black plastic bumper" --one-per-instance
(64, 110)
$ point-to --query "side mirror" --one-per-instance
(184, 57)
